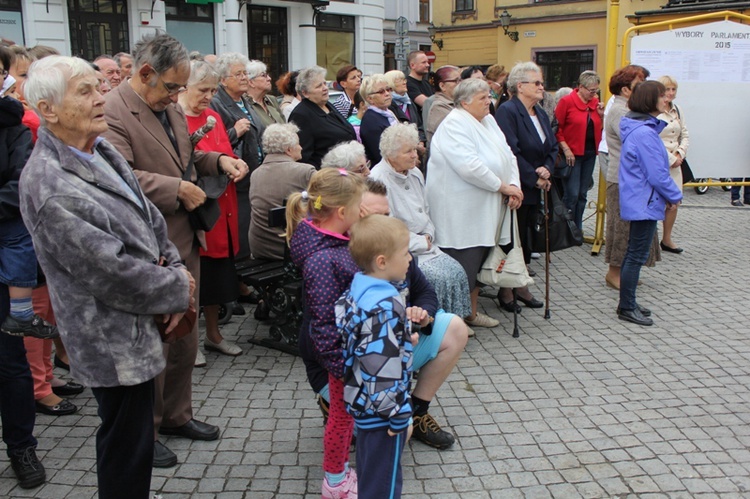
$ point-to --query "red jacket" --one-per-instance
(217, 239)
(572, 118)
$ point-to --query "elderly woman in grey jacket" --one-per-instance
(110, 267)
(407, 201)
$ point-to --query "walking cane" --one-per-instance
(515, 296)
(546, 256)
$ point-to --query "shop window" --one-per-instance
(335, 41)
(562, 68)
(192, 24)
(98, 27)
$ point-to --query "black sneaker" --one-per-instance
(36, 327)
(428, 431)
(28, 468)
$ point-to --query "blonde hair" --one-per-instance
(668, 81)
(393, 76)
(328, 190)
(376, 235)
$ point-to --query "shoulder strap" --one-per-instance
(189, 170)
(678, 112)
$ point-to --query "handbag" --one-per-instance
(183, 328)
(506, 270)
(563, 232)
(562, 168)
(205, 216)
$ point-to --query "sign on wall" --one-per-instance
(11, 26)
(711, 64)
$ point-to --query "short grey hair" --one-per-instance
(561, 92)
(520, 73)
(588, 78)
(162, 52)
(345, 155)
(255, 68)
(393, 76)
(369, 83)
(278, 138)
(118, 57)
(49, 77)
(306, 77)
(225, 61)
(468, 89)
(201, 71)
(397, 136)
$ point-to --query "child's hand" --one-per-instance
(408, 433)
(418, 315)
(414, 339)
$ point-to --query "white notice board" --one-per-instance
(711, 64)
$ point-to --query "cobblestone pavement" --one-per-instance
(581, 405)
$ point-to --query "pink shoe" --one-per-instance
(345, 490)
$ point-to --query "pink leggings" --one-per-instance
(338, 433)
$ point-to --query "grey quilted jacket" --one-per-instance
(100, 250)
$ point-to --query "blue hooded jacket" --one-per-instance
(377, 353)
(645, 184)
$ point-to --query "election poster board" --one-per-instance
(711, 64)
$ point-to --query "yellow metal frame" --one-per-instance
(613, 12)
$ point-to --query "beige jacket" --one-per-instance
(675, 134)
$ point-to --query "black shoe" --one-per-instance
(28, 468)
(64, 408)
(646, 312)
(736, 202)
(36, 327)
(262, 311)
(532, 273)
(62, 365)
(252, 298)
(508, 307)
(163, 457)
(194, 430)
(237, 309)
(668, 249)
(428, 431)
(636, 317)
(68, 389)
(531, 303)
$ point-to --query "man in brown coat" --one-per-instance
(150, 131)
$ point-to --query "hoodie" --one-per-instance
(377, 353)
(645, 184)
(327, 270)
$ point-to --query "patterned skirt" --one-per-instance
(618, 233)
(449, 279)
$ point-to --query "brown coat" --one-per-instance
(137, 134)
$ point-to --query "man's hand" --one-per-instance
(242, 126)
(236, 169)
(190, 195)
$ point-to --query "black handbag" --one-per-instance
(563, 232)
(205, 216)
(687, 173)
(562, 168)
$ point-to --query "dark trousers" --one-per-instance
(17, 407)
(125, 440)
(577, 186)
(639, 244)
(526, 219)
(735, 190)
(379, 464)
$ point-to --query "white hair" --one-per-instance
(519, 73)
(225, 62)
(368, 84)
(201, 71)
(306, 77)
(468, 89)
(397, 136)
(393, 76)
(255, 68)
(345, 155)
(49, 77)
(278, 138)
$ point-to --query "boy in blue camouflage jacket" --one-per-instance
(378, 344)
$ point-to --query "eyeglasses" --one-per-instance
(363, 168)
(260, 75)
(382, 91)
(591, 90)
(240, 75)
(536, 83)
(172, 88)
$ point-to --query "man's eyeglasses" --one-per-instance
(536, 83)
(383, 91)
(172, 88)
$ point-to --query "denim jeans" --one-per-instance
(577, 186)
(17, 257)
(639, 244)
(17, 407)
(736, 190)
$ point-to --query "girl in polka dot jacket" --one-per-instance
(317, 223)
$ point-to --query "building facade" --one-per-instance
(289, 34)
(418, 14)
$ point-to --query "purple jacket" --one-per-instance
(328, 270)
(645, 184)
